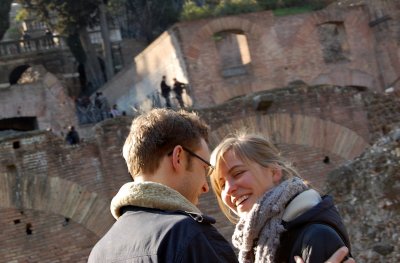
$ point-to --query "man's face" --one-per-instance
(195, 181)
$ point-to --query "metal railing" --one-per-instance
(24, 46)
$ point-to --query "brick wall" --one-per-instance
(276, 51)
(62, 191)
(46, 99)
(37, 236)
(282, 49)
(138, 86)
(52, 183)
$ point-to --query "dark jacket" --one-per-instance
(178, 88)
(154, 235)
(72, 137)
(314, 235)
(165, 89)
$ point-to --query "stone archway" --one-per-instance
(16, 74)
(346, 77)
(299, 130)
(57, 196)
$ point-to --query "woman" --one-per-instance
(277, 215)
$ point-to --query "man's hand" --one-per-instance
(337, 257)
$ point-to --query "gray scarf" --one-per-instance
(257, 235)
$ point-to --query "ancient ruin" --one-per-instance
(322, 85)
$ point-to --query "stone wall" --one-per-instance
(304, 47)
(52, 193)
(366, 192)
(308, 124)
(49, 189)
(226, 57)
(43, 97)
(56, 61)
(54, 197)
(137, 87)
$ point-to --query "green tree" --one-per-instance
(148, 18)
(72, 18)
(5, 7)
(214, 8)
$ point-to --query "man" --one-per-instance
(72, 136)
(165, 90)
(157, 219)
(114, 111)
(101, 103)
(178, 89)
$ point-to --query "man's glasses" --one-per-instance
(210, 167)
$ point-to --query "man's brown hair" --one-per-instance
(155, 133)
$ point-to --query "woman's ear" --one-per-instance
(276, 175)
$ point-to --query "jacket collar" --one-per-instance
(300, 204)
(151, 195)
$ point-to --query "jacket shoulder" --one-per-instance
(201, 242)
(316, 243)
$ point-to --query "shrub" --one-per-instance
(229, 7)
(191, 11)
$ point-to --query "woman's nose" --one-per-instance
(230, 187)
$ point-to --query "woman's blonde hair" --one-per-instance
(248, 148)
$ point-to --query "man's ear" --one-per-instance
(177, 157)
(276, 175)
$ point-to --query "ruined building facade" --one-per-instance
(222, 58)
(321, 99)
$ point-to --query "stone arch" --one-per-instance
(16, 73)
(299, 130)
(345, 77)
(58, 196)
(220, 25)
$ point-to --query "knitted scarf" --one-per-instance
(257, 234)
(152, 195)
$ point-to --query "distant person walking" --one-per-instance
(114, 111)
(27, 40)
(178, 89)
(72, 136)
(101, 103)
(165, 91)
(49, 38)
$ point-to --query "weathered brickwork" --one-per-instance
(37, 236)
(58, 61)
(51, 182)
(137, 87)
(222, 58)
(46, 179)
(44, 99)
(54, 198)
(367, 195)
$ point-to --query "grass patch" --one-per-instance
(293, 10)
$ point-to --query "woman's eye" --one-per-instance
(237, 173)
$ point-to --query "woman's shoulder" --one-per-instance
(316, 232)
(316, 242)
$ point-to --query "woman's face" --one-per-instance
(244, 183)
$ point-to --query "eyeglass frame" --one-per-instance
(210, 166)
